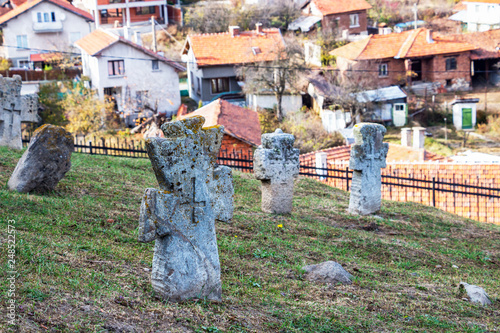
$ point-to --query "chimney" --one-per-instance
(429, 36)
(258, 28)
(234, 30)
(406, 137)
(418, 137)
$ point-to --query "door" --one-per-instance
(399, 114)
(467, 118)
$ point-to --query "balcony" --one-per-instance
(44, 27)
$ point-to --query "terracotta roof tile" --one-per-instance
(408, 44)
(330, 7)
(238, 122)
(487, 43)
(30, 4)
(222, 49)
(99, 40)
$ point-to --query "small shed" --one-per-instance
(464, 113)
(387, 105)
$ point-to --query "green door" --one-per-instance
(466, 118)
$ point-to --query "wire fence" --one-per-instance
(474, 201)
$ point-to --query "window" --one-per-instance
(22, 41)
(155, 65)
(256, 50)
(451, 63)
(116, 67)
(23, 63)
(220, 85)
(383, 70)
(353, 20)
(399, 107)
(45, 17)
(145, 10)
(198, 90)
(140, 97)
(39, 17)
(74, 36)
(53, 16)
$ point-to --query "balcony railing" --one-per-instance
(42, 27)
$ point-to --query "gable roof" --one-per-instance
(223, 49)
(331, 7)
(99, 40)
(407, 44)
(238, 122)
(487, 43)
(30, 4)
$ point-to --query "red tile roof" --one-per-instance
(484, 1)
(397, 153)
(238, 122)
(330, 7)
(222, 49)
(40, 57)
(99, 40)
(30, 4)
(408, 44)
(459, 7)
(487, 43)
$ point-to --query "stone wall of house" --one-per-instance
(480, 208)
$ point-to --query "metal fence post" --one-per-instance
(347, 179)
(434, 191)
(90, 146)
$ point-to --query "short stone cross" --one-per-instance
(368, 156)
(14, 110)
(276, 164)
(180, 216)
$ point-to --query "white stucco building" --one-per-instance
(135, 77)
(41, 26)
(479, 15)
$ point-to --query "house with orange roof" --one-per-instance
(478, 15)
(410, 56)
(341, 16)
(242, 131)
(212, 59)
(136, 78)
(41, 26)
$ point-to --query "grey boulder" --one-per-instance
(327, 272)
(476, 294)
(45, 162)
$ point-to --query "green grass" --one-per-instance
(80, 268)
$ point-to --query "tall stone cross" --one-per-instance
(276, 164)
(368, 156)
(180, 216)
(14, 110)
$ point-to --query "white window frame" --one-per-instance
(353, 20)
(22, 41)
(383, 72)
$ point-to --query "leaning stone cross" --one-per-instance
(14, 110)
(276, 164)
(367, 158)
(180, 216)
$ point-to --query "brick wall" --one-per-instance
(366, 72)
(440, 74)
(236, 149)
(479, 208)
(343, 22)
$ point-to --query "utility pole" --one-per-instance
(445, 132)
(154, 33)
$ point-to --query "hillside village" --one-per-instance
(391, 101)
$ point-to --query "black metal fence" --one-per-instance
(435, 192)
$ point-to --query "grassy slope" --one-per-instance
(80, 273)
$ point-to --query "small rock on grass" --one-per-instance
(327, 272)
(476, 294)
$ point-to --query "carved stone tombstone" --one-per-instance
(14, 110)
(276, 164)
(194, 192)
(367, 158)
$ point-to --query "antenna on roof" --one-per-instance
(415, 12)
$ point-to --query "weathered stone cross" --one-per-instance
(180, 216)
(14, 110)
(367, 158)
(276, 164)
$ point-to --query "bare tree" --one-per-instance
(277, 76)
